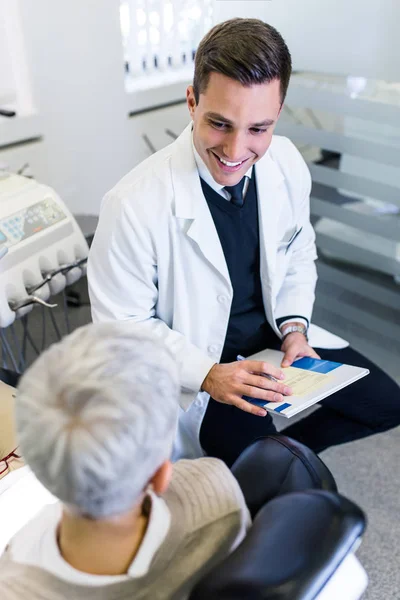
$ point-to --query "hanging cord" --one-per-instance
(3, 358)
(66, 315)
(24, 321)
(28, 338)
(9, 351)
(171, 134)
(56, 328)
(149, 144)
(43, 328)
(17, 345)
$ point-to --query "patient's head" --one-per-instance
(96, 417)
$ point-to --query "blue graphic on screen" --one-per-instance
(316, 365)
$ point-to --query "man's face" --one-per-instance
(233, 125)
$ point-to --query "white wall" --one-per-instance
(75, 58)
(358, 37)
(228, 9)
(75, 54)
(7, 82)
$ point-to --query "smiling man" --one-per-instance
(226, 133)
(209, 243)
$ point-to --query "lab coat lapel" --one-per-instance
(271, 198)
(191, 205)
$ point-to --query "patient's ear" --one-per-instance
(162, 477)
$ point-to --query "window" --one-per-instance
(15, 88)
(7, 83)
(160, 38)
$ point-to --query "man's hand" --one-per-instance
(295, 346)
(227, 383)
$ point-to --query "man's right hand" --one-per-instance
(227, 383)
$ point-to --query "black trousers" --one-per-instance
(368, 406)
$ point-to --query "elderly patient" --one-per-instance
(96, 416)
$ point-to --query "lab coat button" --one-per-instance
(198, 403)
(222, 299)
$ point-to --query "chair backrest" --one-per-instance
(276, 465)
(295, 545)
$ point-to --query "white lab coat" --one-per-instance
(156, 258)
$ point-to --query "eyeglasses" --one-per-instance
(4, 462)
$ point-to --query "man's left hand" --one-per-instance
(295, 346)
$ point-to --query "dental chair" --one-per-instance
(304, 534)
(300, 545)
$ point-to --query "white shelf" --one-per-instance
(157, 89)
(19, 128)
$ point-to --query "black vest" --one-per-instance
(248, 329)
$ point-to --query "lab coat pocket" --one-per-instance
(284, 246)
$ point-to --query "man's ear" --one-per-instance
(162, 477)
(191, 100)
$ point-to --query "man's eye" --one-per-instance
(257, 130)
(218, 125)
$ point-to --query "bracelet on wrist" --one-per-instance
(294, 329)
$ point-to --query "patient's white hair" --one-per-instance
(96, 416)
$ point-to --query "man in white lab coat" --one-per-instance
(209, 243)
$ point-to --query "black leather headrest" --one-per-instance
(275, 465)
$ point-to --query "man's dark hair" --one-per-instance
(246, 50)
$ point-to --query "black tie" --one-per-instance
(236, 191)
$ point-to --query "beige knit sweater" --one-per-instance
(208, 517)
